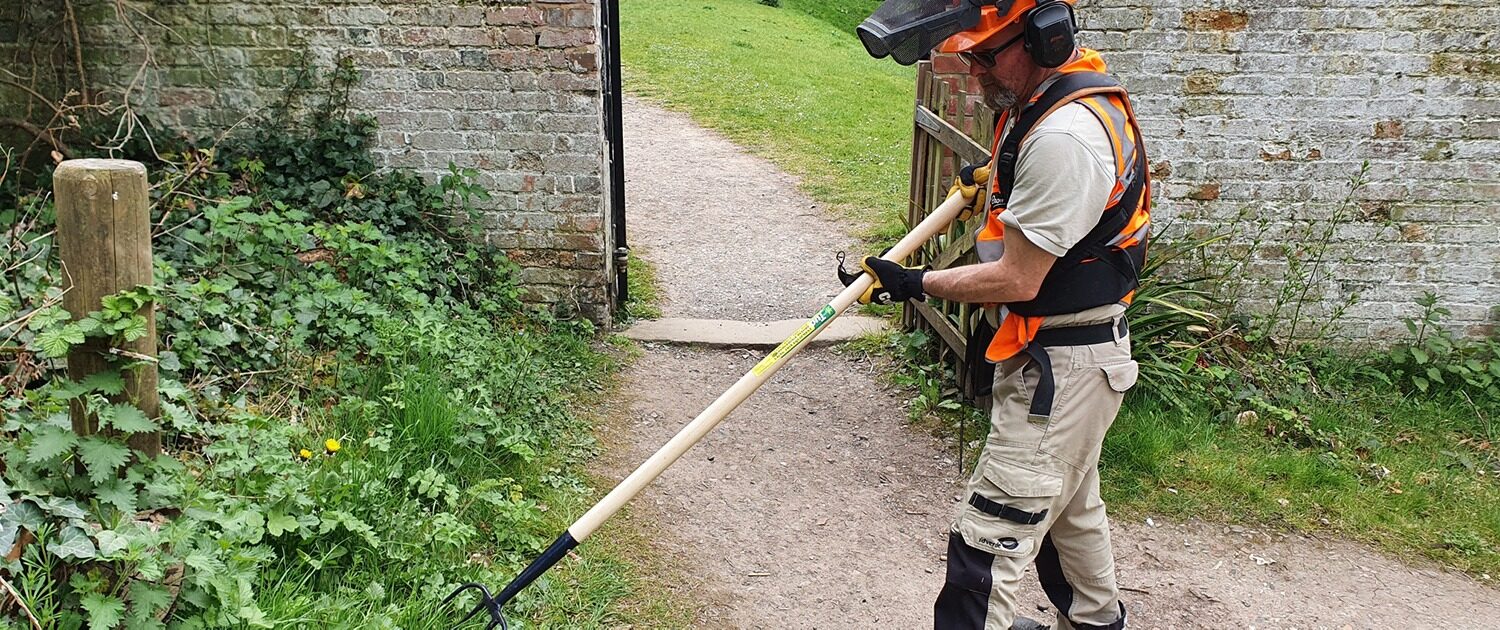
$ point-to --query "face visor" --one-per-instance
(906, 30)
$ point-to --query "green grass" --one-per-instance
(1410, 475)
(645, 289)
(420, 407)
(1413, 475)
(843, 14)
(790, 87)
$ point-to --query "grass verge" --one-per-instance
(1413, 475)
(645, 289)
(1409, 475)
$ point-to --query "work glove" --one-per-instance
(893, 282)
(973, 182)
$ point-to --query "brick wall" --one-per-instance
(26, 60)
(509, 87)
(1267, 110)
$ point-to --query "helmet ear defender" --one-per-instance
(1050, 33)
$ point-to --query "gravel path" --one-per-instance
(729, 234)
(816, 505)
(811, 506)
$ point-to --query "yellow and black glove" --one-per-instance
(974, 182)
(893, 282)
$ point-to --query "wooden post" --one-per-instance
(104, 237)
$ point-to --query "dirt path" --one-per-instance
(729, 234)
(816, 506)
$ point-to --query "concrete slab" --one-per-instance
(721, 333)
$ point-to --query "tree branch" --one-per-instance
(83, 80)
(39, 134)
(15, 81)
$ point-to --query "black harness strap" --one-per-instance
(1046, 387)
(1067, 88)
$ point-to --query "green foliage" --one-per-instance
(1170, 320)
(1437, 360)
(301, 296)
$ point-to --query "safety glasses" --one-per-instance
(986, 58)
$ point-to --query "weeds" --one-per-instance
(645, 290)
(358, 413)
(1438, 360)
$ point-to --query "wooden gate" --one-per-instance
(952, 128)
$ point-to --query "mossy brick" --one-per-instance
(567, 81)
(249, 36)
(569, 203)
(564, 38)
(272, 57)
(555, 276)
(437, 58)
(10, 32)
(581, 18)
(519, 37)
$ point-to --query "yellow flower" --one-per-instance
(332, 446)
(304, 454)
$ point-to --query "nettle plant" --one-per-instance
(1437, 359)
(87, 511)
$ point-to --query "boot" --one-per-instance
(1027, 623)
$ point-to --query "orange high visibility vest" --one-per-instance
(1104, 266)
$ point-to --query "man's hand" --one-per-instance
(893, 283)
(973, 182)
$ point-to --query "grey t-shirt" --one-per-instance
(1064, 176)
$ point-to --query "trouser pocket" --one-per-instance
(1007, 506)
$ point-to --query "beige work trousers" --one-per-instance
(1038, 486)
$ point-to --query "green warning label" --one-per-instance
(823, 317)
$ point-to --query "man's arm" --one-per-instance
(1016, 277)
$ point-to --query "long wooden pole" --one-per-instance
(104, 237)
(669, 453)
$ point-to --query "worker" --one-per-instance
(1064, 211)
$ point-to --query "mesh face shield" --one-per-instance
(907, 30)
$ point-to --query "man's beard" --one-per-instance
(996, 97)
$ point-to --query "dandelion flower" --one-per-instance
(304, 454)
(332, 445)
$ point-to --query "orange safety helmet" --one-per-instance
(996, 18)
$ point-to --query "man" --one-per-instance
(1064, 235)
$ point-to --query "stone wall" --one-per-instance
(1266, 111)
(509, 87)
